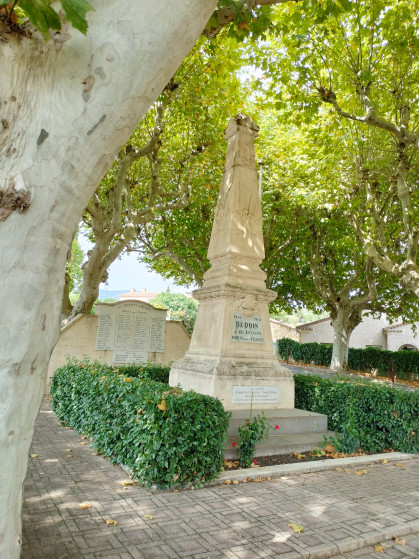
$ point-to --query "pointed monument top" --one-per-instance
(239, 122)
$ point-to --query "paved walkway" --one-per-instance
(339, 510)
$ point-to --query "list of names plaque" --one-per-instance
(131, 330)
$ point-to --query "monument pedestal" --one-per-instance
(231, 352)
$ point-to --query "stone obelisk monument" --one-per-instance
(231, 352)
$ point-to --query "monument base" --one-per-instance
(238, 383)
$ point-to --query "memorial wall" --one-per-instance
(123, 332)
(130, 330)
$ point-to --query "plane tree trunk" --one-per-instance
(66, 108)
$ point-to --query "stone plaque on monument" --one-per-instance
(255, 394)
(131, 329)
(247, 329)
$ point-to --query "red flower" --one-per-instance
(276, 426)
(254, 461)
(233, 445)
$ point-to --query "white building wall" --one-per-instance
(402, 335)
(367, 333)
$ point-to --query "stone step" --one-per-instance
(288, 420)
(281, 444)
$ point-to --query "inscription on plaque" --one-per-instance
(247, 329)
(255, 394)
(131, 330)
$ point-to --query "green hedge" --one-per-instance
(379, 417)
(406, 363)
(165, 436)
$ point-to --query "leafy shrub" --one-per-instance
(319, 354)
(377, 417)
(406, 363)
(164, 435)
(252, 432)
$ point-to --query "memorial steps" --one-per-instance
(299, 431)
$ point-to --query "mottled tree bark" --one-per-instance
(66, 108)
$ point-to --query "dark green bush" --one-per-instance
(406, 363)
(164, 435)
(379, 417)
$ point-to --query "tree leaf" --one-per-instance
(75, 12)
(41, 15)
(85, 506)
(400, 465)
(296, 527)
(360, 472)
(34, 455)
(148, 516)
(379, 548)
(399, 541)
(111, 522)
(162, 406)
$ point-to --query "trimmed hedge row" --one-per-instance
(165, 436)
(373, 417)
(406, 363)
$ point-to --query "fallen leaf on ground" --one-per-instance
(399, 541)
(227, 482)
(296, 527)
(360, 472)
(270, 479)
(384, 461)
(329, 448)
(83, 443)
(68, 449)
(129, 482)
(400, 465)
(236, 482)
(69, 456)
(255, 466)
(148, 516)
(297, 455)
(379, 548)
(230, 464)
(338, 469)
(111, 522)
(259, 479)
(34, 455)
(85, 506)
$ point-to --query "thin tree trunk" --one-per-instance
(68, 111)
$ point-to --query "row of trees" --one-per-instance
(334, 90)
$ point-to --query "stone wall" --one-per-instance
(78, 340)
(282, 330)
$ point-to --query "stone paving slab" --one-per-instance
(342, 513)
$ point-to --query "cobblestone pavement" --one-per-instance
(340, 511)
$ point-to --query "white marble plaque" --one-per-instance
(130, 356)
(255, 394)
(157, 333)
(131, 329)
(247, 329)
(105, 332)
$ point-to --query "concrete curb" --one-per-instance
(309, 467)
